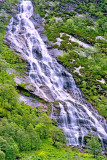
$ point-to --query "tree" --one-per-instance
(8, 129)
(34, 137)
(2, 155)
(8, 146)
(41, 130)
(3, 144)
(94, 145)
(12, 149)
(57, 135)
(43, 125)
(23, 140)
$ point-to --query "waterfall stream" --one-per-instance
(76, 116)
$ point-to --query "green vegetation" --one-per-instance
(95, 65)
(15, 61)
(89, 9)
(19, 131)
(95, 146)
(22, 128)
(91, 23)
(27, 132)
(50, 152)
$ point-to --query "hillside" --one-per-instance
(78, 31)
(86, 21)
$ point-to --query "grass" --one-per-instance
(49, 152)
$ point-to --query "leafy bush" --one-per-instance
(95, 146)
(57, 135)
(2, 155)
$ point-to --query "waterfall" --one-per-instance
(76, 116)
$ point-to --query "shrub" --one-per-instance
(2, 155)
(57, 135)
(94, 146)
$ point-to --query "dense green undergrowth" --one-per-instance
(49, 152)
(79, 24)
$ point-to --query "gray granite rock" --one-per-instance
(55, 52)
(30, 86)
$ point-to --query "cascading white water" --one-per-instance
(77, 118)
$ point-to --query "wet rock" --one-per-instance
(33, 40)
(105, 141)
(36, 78)
(34, 66)
(47, 92)
(34, 22)
(13, 29)
(45, 69)
(67, 85)
(44, 38)
(38, 24)
(37, 18)
(40, 29)
(48, 46)
(94, 128)
(28, 66)
(36, 53)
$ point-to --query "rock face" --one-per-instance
(38, 23)
(34, 103)
(25, 79)
(55, 52)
